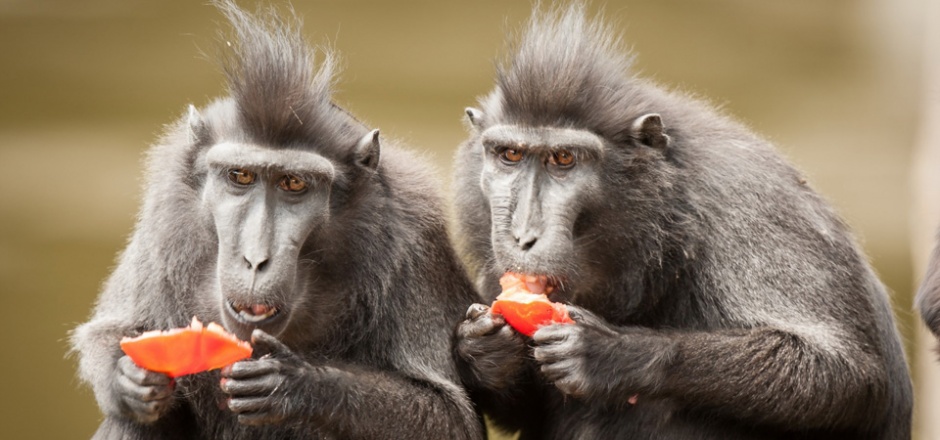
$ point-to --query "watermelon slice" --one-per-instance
(524, 310)
(186, 350)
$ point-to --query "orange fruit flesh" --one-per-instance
(526, 311)
(186, 350)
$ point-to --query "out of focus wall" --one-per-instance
(85, 86)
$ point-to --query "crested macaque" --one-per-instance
(279, 215)
(716, 295)
(928, 295)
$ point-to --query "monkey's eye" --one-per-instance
(292, 183)
(562, 159)
(241, 176)
(511, 156)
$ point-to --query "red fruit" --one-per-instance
(526, 311)
(186, 350)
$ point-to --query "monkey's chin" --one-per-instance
(243, 319)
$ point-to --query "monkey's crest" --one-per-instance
(565, 70)
(280, 94)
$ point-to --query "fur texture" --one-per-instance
(928, 295)
(366, 353)
(708, 277)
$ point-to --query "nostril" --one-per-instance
(259, 266)
(527, 243)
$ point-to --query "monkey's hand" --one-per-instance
(142, 395)
(492, 354)
(270, 389)
(594, 360)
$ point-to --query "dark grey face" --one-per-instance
(265, 203)
(538, 182)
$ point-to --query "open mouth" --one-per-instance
(538, 284)
(253, 313)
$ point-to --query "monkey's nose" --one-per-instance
(256, 264)
(526, 241)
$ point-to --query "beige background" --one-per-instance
(86, 85)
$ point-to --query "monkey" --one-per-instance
(927, 299)
(715, 294)
(278, 214)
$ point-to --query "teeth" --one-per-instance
(537, 284)
(531, 283)
(256, 312)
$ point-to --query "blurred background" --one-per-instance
(85, 86)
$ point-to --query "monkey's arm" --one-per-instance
(762, 375)
(773, 376)
(928, 296)
(158, 269)
(347, 401)
(121, 388)
(141, 294)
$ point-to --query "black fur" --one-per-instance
(709, 280)
(366, 352)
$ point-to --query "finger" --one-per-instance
(553, 333)
(583, 316)
(140, 375)
(476, 310)
(146, 412)
(544, 354)
(257, 386)
(508, 336)
(586, 318)
(557, 370)
(578, 314)
(504, 344)
(240, 405)
(483, 325)
(251, 368)
(568, 375)
(501, 340)
(263, 343)
(143, 393)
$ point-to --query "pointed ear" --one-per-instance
(475, 117)
(367, 151)
(198, 131)
(648, 130)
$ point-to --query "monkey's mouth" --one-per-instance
(253, 314)
(539, 284)
(549, 285)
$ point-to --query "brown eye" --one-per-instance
(292, 183)
(511, 155)
(563, 158)
(241, 176)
